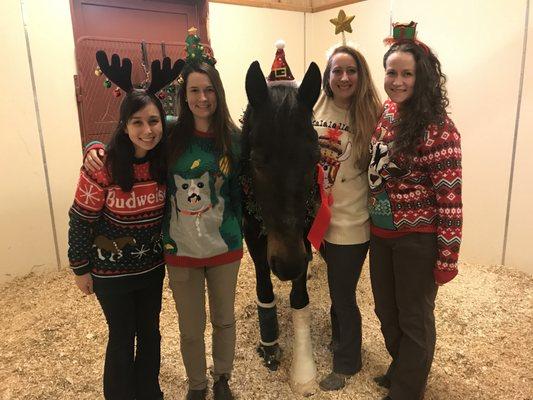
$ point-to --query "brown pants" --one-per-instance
(401, 271)
(188, 290)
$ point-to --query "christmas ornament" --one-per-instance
(107, 84)
(223, 164)
(161, 95)
(342, 24)
(195, 164)
(280, 73)
(116, 92)
(98, 71)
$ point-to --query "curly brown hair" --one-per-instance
(428, 103)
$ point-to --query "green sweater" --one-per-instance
(202, 225)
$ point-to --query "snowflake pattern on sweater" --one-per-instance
(113, 233)
(426, 196)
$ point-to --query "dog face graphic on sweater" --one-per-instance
(195, 220)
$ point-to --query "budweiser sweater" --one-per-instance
(113, 233)
(423, 195)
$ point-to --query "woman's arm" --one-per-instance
(88, 203)
(445, 172)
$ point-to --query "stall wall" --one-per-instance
(521, 198)
(241, 35)
(26, 234)
(480, 45)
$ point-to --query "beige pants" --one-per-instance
(188, 290)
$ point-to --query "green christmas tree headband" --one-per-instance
(196, 52)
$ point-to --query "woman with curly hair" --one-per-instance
(416, 212)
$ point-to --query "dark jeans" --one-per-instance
(130, 315)
(401, 271)
(344, 263)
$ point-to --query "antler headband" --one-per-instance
(120, 75)
(405, 33)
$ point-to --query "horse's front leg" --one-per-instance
(303, 368)
(267, 313)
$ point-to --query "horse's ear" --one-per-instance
(256, 87)
(309, 89)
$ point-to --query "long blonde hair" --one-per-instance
(365, 107)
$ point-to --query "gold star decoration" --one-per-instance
(342, 22)
(192, 30)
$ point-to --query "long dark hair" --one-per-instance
(121, 152)
(428, 103)
(365, 106)
(221, 123)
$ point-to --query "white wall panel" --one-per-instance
(241, 35)
(518, 252)
(26, 234)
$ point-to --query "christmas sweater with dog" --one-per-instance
(113, 233)
(202, 226)
(422, 195)
(346, 183)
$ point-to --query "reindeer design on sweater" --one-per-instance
(113, 246)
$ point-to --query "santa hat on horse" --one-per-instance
(280, 73)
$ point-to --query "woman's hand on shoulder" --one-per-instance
(94, 160)
(84, 283)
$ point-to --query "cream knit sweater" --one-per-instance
(347, 184)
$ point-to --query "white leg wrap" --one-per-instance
(303, 369)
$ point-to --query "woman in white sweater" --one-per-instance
(344, 118)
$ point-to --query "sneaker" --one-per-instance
(196, 394)
(221, 390)
(333, 381)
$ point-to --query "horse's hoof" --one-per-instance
(304, 389)
(271, 356)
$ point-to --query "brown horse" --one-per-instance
(280, 154)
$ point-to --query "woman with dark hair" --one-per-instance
(416, 211)
(344, 118)
(115, 248)
(202, 230)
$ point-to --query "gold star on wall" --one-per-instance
(342, 22)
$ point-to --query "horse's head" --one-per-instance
(283, 151)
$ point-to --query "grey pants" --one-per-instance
(188, 290)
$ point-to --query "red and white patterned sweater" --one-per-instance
(421, 196)
(113, 233)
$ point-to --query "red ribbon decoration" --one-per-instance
(323, 215)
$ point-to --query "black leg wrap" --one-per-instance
(269, 349)
(268, 324)
(271, 356)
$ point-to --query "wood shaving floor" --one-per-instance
(53, 339)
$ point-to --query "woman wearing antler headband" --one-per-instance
(416, 209)
(115, 248)
(344, 118)
(202, 237)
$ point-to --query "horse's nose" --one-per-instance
(282, 271)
